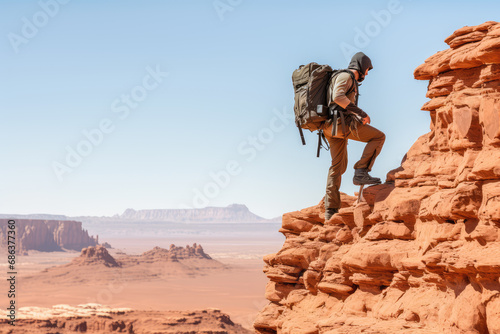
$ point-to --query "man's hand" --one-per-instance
(366, 120)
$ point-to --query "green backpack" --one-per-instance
(310, 84)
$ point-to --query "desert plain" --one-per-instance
(231, 279)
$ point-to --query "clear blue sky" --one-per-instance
(69, 68)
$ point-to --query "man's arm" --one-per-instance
(342, 84)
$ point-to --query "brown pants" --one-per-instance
(338, 149)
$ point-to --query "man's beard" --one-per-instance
(361, 77)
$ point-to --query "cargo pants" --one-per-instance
(374, 140)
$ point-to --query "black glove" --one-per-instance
(356, 110)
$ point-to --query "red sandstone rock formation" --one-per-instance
(175, 260)
(99, 255)
(48, 235)
(96, 264)
(175, 253)
(422, 254)
(95, 255)
(96, 319)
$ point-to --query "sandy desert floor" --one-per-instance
(237, 291)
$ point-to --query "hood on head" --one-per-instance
(360, 62)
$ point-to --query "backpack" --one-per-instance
(310, 84)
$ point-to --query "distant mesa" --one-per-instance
(231, 213)
(48, 235)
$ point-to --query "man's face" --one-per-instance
(366, 72)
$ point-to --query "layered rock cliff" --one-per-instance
(422, 254)
(48, 235)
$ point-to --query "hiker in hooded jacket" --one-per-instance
(343, 95)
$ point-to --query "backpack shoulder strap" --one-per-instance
(353, 78)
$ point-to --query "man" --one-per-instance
(343, 94)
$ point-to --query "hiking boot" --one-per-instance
(362, 177)
(329, 213)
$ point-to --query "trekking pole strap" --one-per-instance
(301, 135)
(335, 114)
(320, 133)
(327, 146)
